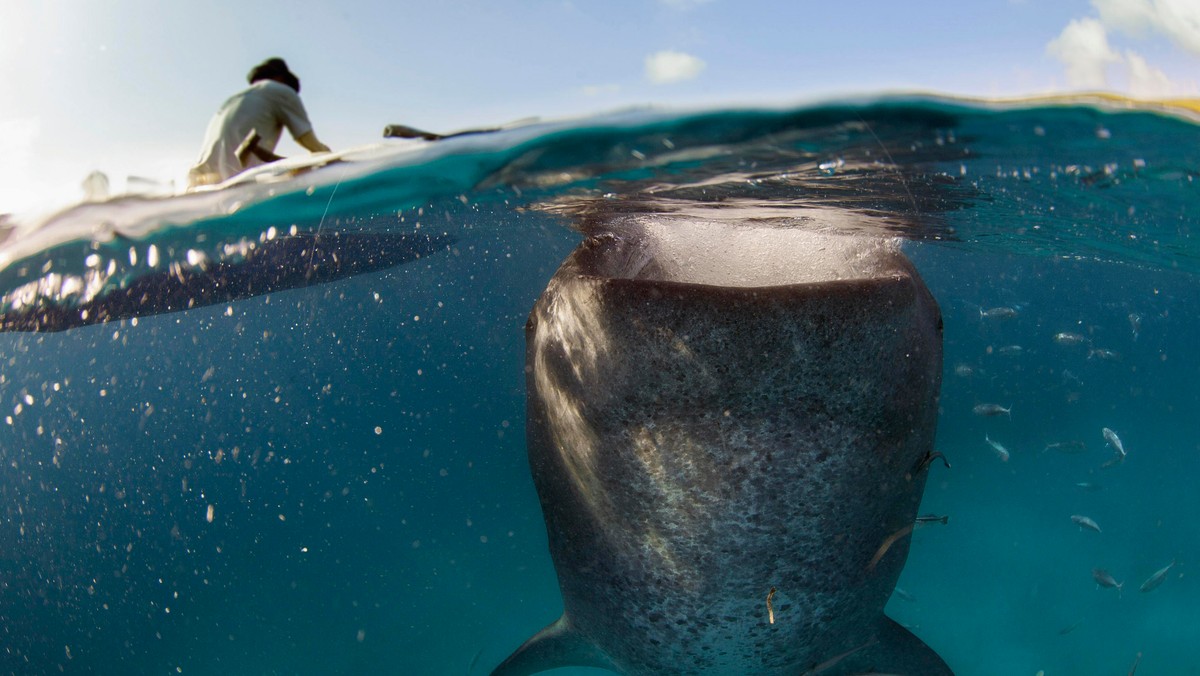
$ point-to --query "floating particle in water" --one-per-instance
(208, 516)
(830, 167)
(378, 430)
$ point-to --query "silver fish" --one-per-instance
(1069, 339)
(1103, 354)
(1071, 447)
(1066, 630)
(1136, 661)
(1001, 451)
(1011, 350)
(1104, 579)
(992, 410)
(1135, 324)
(1156, 579)
(997, 313)
(963, 371)
(1119, 448)
(1084, 522)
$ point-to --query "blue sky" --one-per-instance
(127, 86)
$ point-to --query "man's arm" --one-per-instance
(310, 142)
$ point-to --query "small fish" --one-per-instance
(963, 370)
(1001, 451)
(1113, 440)
(992, 410)
(474, 660)
(1066, 630)
(1136, 661)
(1135, 324)
(1118, 448)
(1084, 522)
(1156, 579)
(1067, 376)
(904, 596)
(934, 518)
(1089, 486)
(1011, 350)
(998, 313)
(1104, 579)
(1103, 354)
(1071, 447)
(1069, 339)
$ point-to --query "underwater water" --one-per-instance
(332, 478)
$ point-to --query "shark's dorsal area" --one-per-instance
(58, 302)
(729, 427)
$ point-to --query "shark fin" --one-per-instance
(895, 650)
(558, 645)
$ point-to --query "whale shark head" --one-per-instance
(722, 413)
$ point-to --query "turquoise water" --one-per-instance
(361, 442)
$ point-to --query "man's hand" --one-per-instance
(310, 142)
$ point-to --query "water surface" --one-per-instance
(332, 479)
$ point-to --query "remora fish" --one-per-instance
(1084, 522)
(58, 302)
(715, 410)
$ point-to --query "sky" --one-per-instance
(127, 86)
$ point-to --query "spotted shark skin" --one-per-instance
(716, 411)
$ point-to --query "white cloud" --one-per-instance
(1179, 20)
(1146, 81)
(668, 66)
(1083, 49)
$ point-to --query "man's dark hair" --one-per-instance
(276, 69)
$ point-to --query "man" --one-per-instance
(245, 130)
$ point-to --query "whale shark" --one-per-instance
(57, 302)
(729, 427)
